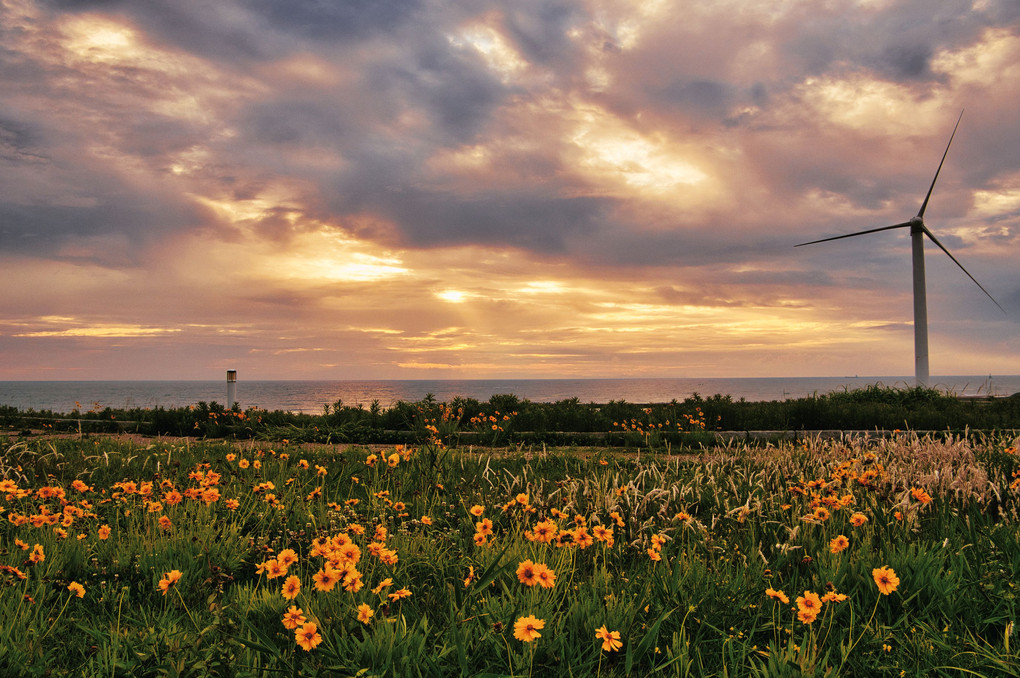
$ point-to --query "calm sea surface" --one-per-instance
(310, 396)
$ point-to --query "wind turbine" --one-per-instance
(917, 232)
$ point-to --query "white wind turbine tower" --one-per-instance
(917, 232)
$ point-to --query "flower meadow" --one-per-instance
(163, 558)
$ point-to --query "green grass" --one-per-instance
(732, 522)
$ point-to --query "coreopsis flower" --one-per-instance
(243, 463)
(307, 636)
(582, 539)
(602, 533)
(291, 587)
(808, 607)
(383, 584)
(838, 543)
(293, 618)
(522, 499)
(777, 595)
(165, 523)
(400, 593)
(286, 558)
(610, 639)
(544, 531)
(526, 573)
(104, 532)
(37, 555)
(885, 579)
(425, 520)
(77, 589)
(546, 577)
(833, 597)
(232, 504)
(654, 555)
(365, 613)
(920, 495)
(526, 629)
(471, 575)
(326, 578)
(480, 539)
(169, 579)
(484, 527)
(274, 569)
(393, 459)
(858, 519)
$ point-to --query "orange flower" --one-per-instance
(400, 593)
(291, 587)
(808, 606)
(833, 597)
(307, 636)
(77, 589)
(839, 543)
(476, 510)
(293, 618)
(169, 579)
(286, 558)
(526, 573)
(545, 531)
(37, 555)
(326, 578)
(165, 523)
(104, 532)
(777, 595)
(522, 499)
(610, 639)
(526, 628)
(484, 527)
(546, 577)
(858, 519)
(654, 555)
(365, 613)
(274, 569)
(886, 580)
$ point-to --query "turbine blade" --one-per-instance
(943, 248)
(924, 205)
(850, 235)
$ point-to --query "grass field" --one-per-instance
(160, 558)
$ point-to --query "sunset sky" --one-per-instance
(400, 189)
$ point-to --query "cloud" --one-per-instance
(355, 157)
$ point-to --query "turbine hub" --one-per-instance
(916, 224)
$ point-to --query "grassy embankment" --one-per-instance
(507, 419)
(431, 547)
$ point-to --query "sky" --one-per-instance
(402, 189)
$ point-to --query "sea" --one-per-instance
(311, 396)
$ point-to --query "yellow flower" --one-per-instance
(526, 628)
(365, 613)
(165, 523)
(37, 555)
(293, 618)
(886, 579)
(610, 639)
(526, 573)
(808, 606)
(476, 510)
(326, 578)
(169, 579)
(838, 543)
(307, 636)
(383, 584)
(858, 519)
(400, 593)
(77, 589)
(286, 558)
(291, 587)
(777, 595)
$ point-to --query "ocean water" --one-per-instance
(311, 396)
